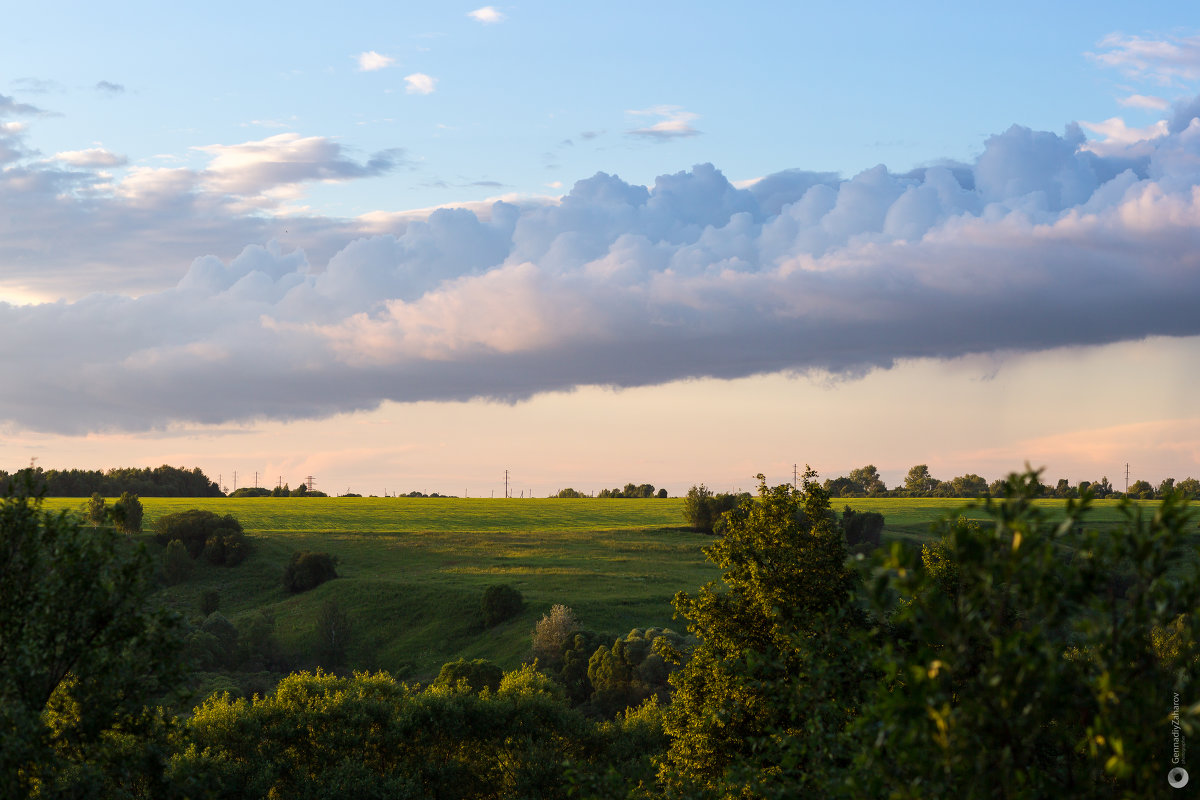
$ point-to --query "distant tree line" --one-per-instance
(301, 490)
(631, 490)
(865, 482)
(161, 481)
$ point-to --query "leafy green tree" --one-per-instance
(1013, 671)
(95, 512)
(969, 485)
(1141, 490)
(766, 685)
(127, 513)
(919, 482)
(1166, 487)
(697, 510)
(868, 480)
(1189, 488)
(569, 493)
(82, 646)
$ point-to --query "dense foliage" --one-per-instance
(307, 570)
(219, 539)
(81, 648)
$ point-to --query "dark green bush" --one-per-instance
(501, 602)
(862, 527)
(307, 570)
(219, 539)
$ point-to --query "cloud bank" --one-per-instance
(1039, 243)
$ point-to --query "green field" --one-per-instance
(413, 570)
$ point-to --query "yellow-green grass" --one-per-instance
(413, 570)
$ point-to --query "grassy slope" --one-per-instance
(413, 570)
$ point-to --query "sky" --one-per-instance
(415, 246)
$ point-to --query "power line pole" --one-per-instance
(795, 476)
(1126, 477)
(505, 484)
(235, 480)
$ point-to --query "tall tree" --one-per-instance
(765, 693)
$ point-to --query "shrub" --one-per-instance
(95, 511)
(127, 513)
(501, 602)
(307, 570)
(219, 539)
(479, 674)
(862, 527)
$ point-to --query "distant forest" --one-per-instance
(161, 481)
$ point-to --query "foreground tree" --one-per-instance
(767, 691)
(81, 646)
(1015, 669)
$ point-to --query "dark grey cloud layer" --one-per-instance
(1039, 243)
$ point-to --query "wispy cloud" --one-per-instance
(37, 85)
(488, 15)
(675, 123)
(371, 61)
(108, 87)
(1167, 61)
(419, 83)
(1145, 102)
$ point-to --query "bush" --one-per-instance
(862, 527)
(127, 513)
(501, 602)
(479, 674)
(219, 539)
(307, 570)
(703, 510)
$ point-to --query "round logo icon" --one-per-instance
(1178, 777)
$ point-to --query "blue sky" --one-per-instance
(234, 208)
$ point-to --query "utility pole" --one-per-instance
(255, 479)
(235, 480)
(505, 484)
(1126, 477)
(795, 476)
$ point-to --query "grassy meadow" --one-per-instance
(412, 570)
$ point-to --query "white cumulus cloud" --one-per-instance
(371, 61)
(419, 83)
